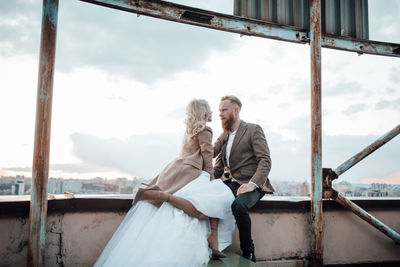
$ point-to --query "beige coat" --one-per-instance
(196, 155)
(249, 159)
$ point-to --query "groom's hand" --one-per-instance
(245, 188)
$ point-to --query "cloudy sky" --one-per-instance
(122, 83)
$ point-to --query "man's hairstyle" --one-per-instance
(233, 99)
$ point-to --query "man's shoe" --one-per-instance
(250, 256)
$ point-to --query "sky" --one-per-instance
(122, 82)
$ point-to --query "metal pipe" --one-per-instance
(366, 216)
(368, 150)
(316, 144)
(223, 22)
(40, 166)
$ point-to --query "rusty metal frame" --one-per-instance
(316, 134)
(41, 151)
(321, 180)
(218, 21)
(330, 175)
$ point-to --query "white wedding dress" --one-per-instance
(166, 236)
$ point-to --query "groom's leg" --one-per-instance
(240, 209)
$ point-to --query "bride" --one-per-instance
(183, 216)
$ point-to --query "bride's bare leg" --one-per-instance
(186, 206)
(157, 197)
(213, 237)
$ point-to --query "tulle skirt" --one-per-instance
(166, 236)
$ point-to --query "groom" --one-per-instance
(243, 163)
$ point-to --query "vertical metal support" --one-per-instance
(40, 167)
(316, 151)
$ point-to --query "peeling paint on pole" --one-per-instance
(316, 142)
(41, 151)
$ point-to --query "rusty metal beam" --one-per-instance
(368, 150)
(361, 46)
(366, 216)
(316, 141)
(40, 167)
(205, 18)
(245, 26)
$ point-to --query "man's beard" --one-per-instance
(228, 123)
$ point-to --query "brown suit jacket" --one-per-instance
(249, 159)
(196, 155)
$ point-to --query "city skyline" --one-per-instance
(120, 94)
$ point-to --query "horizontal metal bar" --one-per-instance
(368, 150)
(366, 216)
(204, 18)
(223, 22)
(361, 46)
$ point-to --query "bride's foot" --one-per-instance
(213, 244)
(152, 193)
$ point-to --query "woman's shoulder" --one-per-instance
(207, 131)
(208, 128)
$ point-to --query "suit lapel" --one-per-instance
(238, 136)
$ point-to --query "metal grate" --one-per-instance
(347, 18)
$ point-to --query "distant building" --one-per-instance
(18, 188)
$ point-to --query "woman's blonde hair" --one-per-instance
(198, 112)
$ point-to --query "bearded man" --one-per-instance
(243, 163)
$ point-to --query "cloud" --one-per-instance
(393, 178)
(291, 158)
(388, 104)
(145, 48)
(355, 109)
(19, 27)
(80, 168)
(383, 20)
(394, 75)
(141, 155)
(342, 88)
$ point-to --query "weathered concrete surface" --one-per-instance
(77, 238)
(72, 239)
(346, 238)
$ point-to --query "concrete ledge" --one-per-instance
(78, 229)
(19, 205)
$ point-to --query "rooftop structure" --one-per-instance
(77, 230)
(312, 241)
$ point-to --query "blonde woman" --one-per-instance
(186, 217)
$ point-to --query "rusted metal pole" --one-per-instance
(366, 216)
(316, 143)
(40, 167)
(368, 150)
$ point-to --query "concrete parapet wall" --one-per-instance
(77, 237)
(346, 238)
